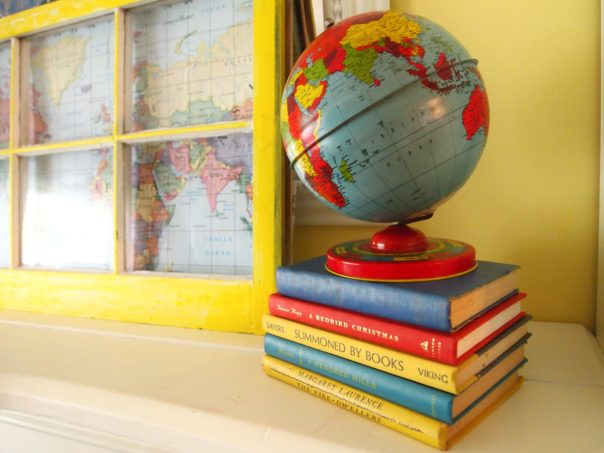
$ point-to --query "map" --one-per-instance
(4, 94)
(191, 64)
(71, 83)
(4, 217)
(68, 210)
(191, 208)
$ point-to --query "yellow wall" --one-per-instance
(533, 198)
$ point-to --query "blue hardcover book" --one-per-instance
(421, 398)
(444, 305)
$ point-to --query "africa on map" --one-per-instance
(191, 206)
(191, 64)
(70, 83)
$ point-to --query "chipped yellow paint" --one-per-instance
(188, 301)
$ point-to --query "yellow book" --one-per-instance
(406, 421)
(452, 379)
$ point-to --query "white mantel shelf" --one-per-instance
(101, 386)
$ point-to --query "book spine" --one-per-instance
(418, 369)
(401, 419)
(428, 401)
(417, 341)
(384, 301)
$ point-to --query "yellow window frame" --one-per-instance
(196, 302)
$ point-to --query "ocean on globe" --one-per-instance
(384, 116)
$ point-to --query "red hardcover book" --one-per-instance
(450, 348)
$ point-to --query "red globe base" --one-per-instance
(401, 254)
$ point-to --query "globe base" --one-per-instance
(399, 238)
(378, 259)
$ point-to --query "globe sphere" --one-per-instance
(384, 116)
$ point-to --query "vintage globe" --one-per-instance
(384, 116)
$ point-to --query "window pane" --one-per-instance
(68, 92)
(191, 63)
(4, 217)
(4, 93)
(67, 213)
(191, 206)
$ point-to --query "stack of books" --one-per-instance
(428, 359)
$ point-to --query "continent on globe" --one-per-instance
(476, 114)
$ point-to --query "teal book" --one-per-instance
(444, 305)
(421, 398)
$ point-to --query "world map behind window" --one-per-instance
(191, 206)
(68, 93)
(191, 64)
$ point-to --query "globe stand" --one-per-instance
(400, 253)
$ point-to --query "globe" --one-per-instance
(384, 117)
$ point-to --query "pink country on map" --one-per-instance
(216, 176)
